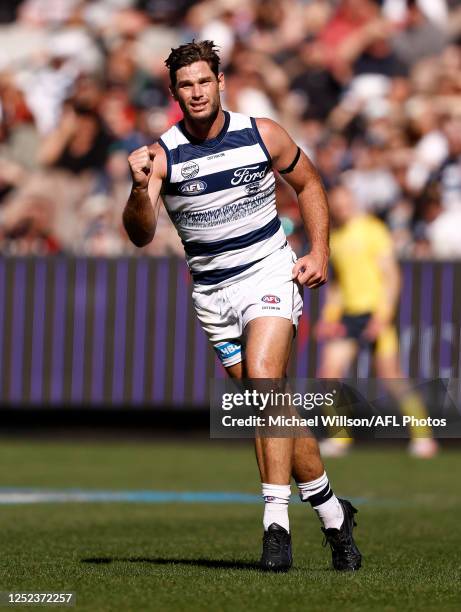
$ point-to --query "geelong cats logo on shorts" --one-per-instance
(189, 169)
(270, 299)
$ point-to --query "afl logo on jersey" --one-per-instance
(193, 187)
(190, 169)
(270, 299)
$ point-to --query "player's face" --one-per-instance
(197, 91)
(342, 205)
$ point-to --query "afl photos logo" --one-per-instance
(189, 170)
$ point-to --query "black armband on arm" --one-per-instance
(291, 167)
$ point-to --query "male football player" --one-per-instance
(215, 172)
(359, 312)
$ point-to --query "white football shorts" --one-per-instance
(268, 291)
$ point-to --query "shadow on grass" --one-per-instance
(211, 563)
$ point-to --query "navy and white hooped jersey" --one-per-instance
(220, 195)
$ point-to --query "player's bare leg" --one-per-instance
(336, 515)
(235, 371)
(274, 455)
(337, 357)
(388, 368)
(281, 458)
(267, 348)
(302, 453)
(307, 462)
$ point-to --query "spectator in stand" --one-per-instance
(437, 229)
(448, 174)
(370, 88)
(317, 86)
(80, 142)
(420, 37)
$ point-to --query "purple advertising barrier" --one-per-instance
(161, 330)
(119, 332)
(426, 327)
(180, 335)
(78, 341)
(18, 326)
(98, 362)
(139, 345)
(447, 328)
(123, 333)
(2, 318)
(38, 331)
(59, 331)
(404, 323)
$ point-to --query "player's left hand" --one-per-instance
(312, 269)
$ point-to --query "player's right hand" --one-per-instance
(141, 162)
(328, 330)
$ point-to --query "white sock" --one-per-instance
(276, 498)
(320, 495)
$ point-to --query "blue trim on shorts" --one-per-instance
(227, 350)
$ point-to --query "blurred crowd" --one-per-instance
(370, 89)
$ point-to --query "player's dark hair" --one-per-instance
(202, 51)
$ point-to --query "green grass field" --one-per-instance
(195, 556)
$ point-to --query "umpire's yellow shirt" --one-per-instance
(356, 248)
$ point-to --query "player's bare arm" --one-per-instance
(391, 275)
(296, 168)
(148, 168)
(383, 317)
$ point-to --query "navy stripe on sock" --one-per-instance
(320, 498)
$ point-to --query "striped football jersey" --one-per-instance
(220, 195)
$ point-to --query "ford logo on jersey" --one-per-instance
(248, 174)
(270, 299)
(193, 188)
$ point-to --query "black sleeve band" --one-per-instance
(293, 163)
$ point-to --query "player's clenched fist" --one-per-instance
(141, 164)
